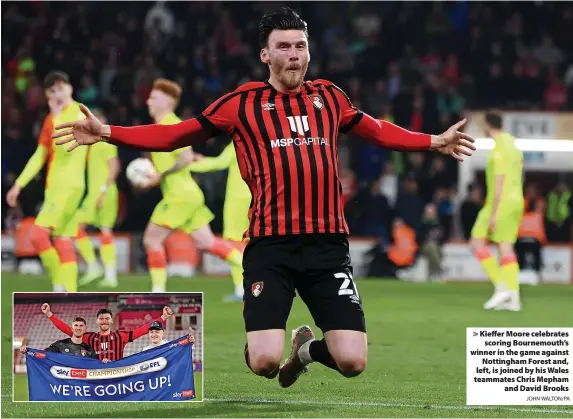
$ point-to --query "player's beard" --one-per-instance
(292, 80)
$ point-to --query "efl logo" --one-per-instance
(188, 393)
(79, 373)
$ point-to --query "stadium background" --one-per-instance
(471, 56)
(130, 311)
(421, 65)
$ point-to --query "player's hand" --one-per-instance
(167, 312)
(105, 360)
(453, 142)
(46, 309)
(198, 157)
(12, 195)
(23, 349)
(191, 335)
(85, 132)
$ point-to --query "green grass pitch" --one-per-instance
(416, 360)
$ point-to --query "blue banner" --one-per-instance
(164, 373)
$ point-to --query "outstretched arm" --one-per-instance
(158, 137)
(33, 167)
(143, 330)
(388, 135)
(215, 120)
(212, 164)
(61, 325)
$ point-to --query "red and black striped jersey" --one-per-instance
(108, 346)
(286, 146)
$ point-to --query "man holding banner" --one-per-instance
(164, 373)
(107, 344)
(157, 336)
(71, 346)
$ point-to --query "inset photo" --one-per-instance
(108, 347)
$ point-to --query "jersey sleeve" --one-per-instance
(377, 132)
(211, 164)
(33, 167)
(220, 116)
(63, 327)
(130, 336)
(349, 114)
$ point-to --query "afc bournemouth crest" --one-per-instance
(257, 288)
(84, 352)
(316, 100)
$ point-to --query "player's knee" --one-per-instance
(476, 244)
(151, 242)
(40, 239)
(264, 364)
(351, 366)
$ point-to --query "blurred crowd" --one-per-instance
(417, 64)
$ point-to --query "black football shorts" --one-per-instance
(317, 266)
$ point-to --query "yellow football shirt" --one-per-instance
(507, 160)
(178, 186)
(67, 170)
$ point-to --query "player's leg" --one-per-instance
(487, 259)
(235, 223)
(87, 252)
(505, 236)
(86, 248)
(41, 240)
(64, 235)
(50, 216)
(268, 295)
(330, 293)
(107, 216)
(153, 239)
(200, 231)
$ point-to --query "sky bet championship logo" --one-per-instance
(68, 373)
(299, 125)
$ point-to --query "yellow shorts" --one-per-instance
(104, 216)
(182, 215)
(236, 218)
(59, 210)
(507, 224)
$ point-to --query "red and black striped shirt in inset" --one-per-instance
(108, 346)
(287, 150)
(286, 146)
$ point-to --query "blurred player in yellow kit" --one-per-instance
(500, 217)
(65, 186)
(99, 209)
(183, 204)
(237, 204)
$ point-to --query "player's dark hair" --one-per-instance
(493, 119)
(104, 311)
(283, 20)
(80, 319)
(54, 77)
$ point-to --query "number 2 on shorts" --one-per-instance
(344, 287)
